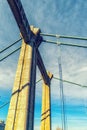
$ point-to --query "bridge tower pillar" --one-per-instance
(46, 105)
(21, 109)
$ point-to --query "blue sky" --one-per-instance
(56, 17)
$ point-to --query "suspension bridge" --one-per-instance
(22, 103)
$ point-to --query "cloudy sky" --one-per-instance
(54, 17)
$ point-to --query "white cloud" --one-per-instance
(83, 69)
(6, 78)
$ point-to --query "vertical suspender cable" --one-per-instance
(63, 119)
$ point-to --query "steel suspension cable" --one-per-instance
(67, 81)
(10, 54)
(63, 36)
(65, 44)
(5, 104)
(61, 89)
(10, 45)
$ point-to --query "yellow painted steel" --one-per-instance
(18, 109)
(46, 106)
